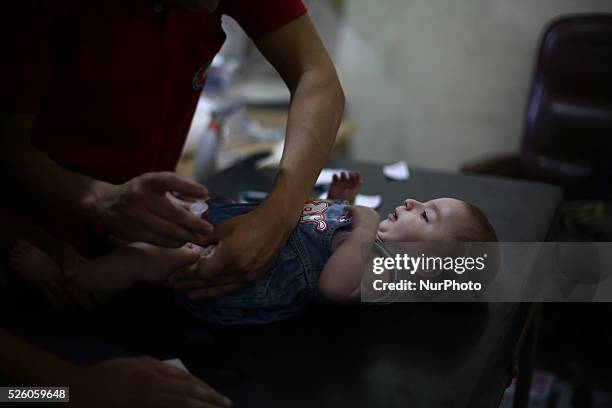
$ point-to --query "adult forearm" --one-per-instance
(26, 364)
(33, 177)
(37, 181)
(314, 118)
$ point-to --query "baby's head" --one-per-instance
(442, 219)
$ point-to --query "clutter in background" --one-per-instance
(371, 201)
(585, 221)
(397, 171)
(541, 390)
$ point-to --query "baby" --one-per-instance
(320, 262)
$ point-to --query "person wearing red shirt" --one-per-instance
(97, 99)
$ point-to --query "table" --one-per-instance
(401, 355)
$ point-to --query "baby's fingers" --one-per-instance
(358, 177)
(354, 178)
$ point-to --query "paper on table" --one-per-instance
(176, 362)
(372, 201)
(397, 171)
(326, 176)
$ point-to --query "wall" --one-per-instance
(437, 82)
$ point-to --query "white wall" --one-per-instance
(437, 82)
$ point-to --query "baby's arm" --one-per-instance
(345, 187)
(341, 277)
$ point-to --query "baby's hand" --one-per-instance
(346, 186)
(364, 217)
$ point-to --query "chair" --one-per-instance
(568, 125)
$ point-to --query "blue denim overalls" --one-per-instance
(292, 282)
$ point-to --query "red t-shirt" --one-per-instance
(114, 84)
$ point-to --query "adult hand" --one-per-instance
(247, 247)
(62, 292)
(143, 210)
(57, 283)
(140, 382)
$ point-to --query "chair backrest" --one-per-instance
(568, 129)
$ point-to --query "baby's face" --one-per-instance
(435, 220)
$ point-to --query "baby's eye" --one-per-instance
(424, 215)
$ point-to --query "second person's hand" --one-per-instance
(247, 247)
(142, 210)
(140, 382)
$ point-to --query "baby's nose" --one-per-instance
(409, 204)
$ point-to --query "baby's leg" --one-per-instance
(110, 273)
(32, 264)
(136, 262)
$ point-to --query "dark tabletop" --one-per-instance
(401, 355)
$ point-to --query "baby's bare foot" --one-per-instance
(32, 264)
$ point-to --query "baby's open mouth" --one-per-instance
(392, 216)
